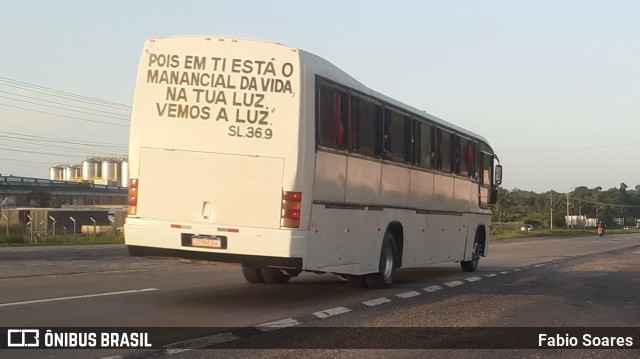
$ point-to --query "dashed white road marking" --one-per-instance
(213, 340)
(77, 297)
(432, 288)
(331, 312)
(453, 283)
(377, 301)
(409, 294)
(278, 324)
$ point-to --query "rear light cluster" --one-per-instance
(291, 207)
(133, 196)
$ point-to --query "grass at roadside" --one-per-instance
(21, 239)
(506, 234)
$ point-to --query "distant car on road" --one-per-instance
(526, 228)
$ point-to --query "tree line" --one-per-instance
(550, 207)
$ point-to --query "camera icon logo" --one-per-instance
(23, 338)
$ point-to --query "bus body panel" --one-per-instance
(363, 181)
(394, 185)
(251, 195)
(330, 177)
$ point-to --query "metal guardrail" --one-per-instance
(506, 226)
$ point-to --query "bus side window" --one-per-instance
(435, 148)
(422, 137)
(386, 137)
(378, 124)
(363, 132)
(466, 161)
(333, 116)
(409, 140)
(395, 136)
(470, 159)
(446, 151)
(456, 155)
(487, 166)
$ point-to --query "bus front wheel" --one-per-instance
(387, 265)
(472, 265)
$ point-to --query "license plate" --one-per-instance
(206, 241)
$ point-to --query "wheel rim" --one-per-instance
(387, 263)
(477, 249)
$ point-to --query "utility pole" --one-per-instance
(568, 210)
(551, 209)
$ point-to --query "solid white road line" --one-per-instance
(77, 297)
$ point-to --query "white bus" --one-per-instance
(265, 155)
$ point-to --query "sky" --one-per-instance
(553, 85)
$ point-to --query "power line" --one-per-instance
(70, 117)
(72, 150)
(57, 93)
(40, 153)
(11, 136)
(66, 109)
(60, 103)
(21, 161)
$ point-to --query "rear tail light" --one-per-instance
(133, 196)
(291, 207)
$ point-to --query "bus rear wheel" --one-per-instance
(387, 265)
(252, 274)
(274, 275)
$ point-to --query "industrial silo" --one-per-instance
(56, 173)
(91, 169)
(110, 169)
(73, 173)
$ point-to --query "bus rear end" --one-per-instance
(214, 147)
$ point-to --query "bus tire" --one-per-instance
(387, 265)
(472, 265)
(274, 276)
(252, 274)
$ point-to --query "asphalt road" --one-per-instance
(532, 282)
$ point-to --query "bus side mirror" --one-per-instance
(498, 175)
